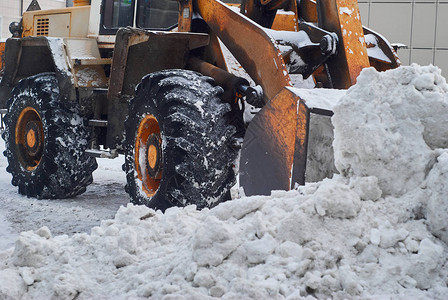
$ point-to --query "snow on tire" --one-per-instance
(178, 143)
(45, 141)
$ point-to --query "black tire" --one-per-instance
(196, 158)
(58, 167)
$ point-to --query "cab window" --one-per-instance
(117, 13)
(157, 14)
(151, 14)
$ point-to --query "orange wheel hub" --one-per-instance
(148, 154)
(29, 136)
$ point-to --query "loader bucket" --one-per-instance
(289, 141)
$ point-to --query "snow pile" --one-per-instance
(367, 233)
(285, 246)
(389, 124)
(394, 126)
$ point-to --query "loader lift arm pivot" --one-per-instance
(244, 38)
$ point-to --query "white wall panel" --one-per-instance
(441, 60)
(422, 25)
(442, 26)
(405, 56)
(422, 56)
(393, 20)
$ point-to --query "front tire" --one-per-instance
(45, 141)
(178, 143)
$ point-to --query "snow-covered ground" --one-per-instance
(66, 216)
(377, 231)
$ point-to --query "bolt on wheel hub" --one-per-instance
(154, 153)
(33, 138)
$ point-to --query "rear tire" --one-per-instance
(185, 119)
(45, 141)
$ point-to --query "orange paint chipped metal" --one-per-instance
(270, 145)
(342, 18)
(354, 46)
(302, 119)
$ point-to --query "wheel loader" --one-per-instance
(148, 79)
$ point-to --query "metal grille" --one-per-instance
(42, 26)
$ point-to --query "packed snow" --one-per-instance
(62, 216)
(377, 230)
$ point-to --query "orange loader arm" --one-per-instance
(248, 42)
(333, 51)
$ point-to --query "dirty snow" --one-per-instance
(88, 77)
(57, 48)
(376, 231)
(319, 98)
(7, 233)
(65, 216)
(373, 50)
(298, 39)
